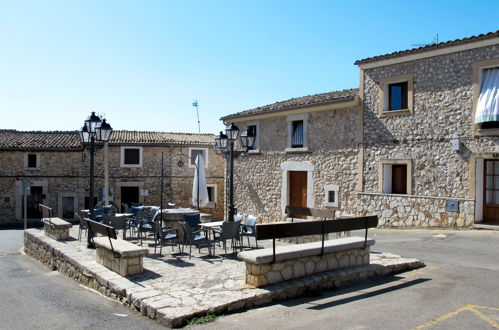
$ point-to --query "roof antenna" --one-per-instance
(434, 42)
(195, 104)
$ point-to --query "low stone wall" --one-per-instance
(415, 211)
(304, 259)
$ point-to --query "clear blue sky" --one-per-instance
(142, 63)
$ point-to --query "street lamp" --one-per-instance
(94, 129)
(224, 144)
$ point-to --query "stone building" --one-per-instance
(425, 162)
(404, 146)
(305, 153)
(57, 168)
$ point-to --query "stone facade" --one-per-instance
(62, 174)
(435, 138)
(262, 177)
(442, 110)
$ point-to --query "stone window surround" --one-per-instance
(383, 95)
(26, 161)
(122, 156)
(286, 167)
(257, 137)
(214, 186)
(290, 119)
(194, 160)
(476, 79)
(406, 161)
(336, 189)
(59, 202)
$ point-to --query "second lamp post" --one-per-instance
(94, 130)
(224, 144)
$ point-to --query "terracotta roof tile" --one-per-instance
(456, 42)
(309, 100)
(70, 140)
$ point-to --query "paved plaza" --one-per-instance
(175, 288)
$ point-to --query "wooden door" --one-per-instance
(491, 191)
(298, 189)
(399, 179)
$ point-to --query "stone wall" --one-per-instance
(442, 110)
(332, 152)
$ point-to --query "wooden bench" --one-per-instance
(55, 228)
(270, 266)
(123, 257)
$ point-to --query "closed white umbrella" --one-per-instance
(199, 190)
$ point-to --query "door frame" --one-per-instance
(287, 167)
(19, 197)
(117, 192)
(484, 192)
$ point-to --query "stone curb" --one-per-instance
(164, 308)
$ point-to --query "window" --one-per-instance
(486, 97)
(396, 95)
(131, 156)
(396, 176)
(487, 108)
(252, 131)
(297, 133)
(212, 193)
(331, 195)
(193, 154)
(31, 161)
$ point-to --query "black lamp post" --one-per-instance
(224, 144)
(94, 129)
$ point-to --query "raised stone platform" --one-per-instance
(295, 261)
(173, 290)
(56, 228)
(123, 257)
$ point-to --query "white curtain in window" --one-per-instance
(488, 101)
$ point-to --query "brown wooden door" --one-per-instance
(298, 189)
(399, 179)
(491, 191)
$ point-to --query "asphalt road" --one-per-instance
(458, 289)
(33, 297)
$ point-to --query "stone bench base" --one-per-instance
(131, 257)
(300, 260)
(56, 228)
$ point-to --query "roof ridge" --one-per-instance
(442, 44)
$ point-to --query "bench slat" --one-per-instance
(302, 228)
(102, 229)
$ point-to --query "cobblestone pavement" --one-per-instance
(174, 287)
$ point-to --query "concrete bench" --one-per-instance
(120, 256)
(56, 228)
(295, 261)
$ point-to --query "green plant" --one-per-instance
(207, 318)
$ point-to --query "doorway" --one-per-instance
(33, 200)
(129, 195)
(298, 189)
(491, 191)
